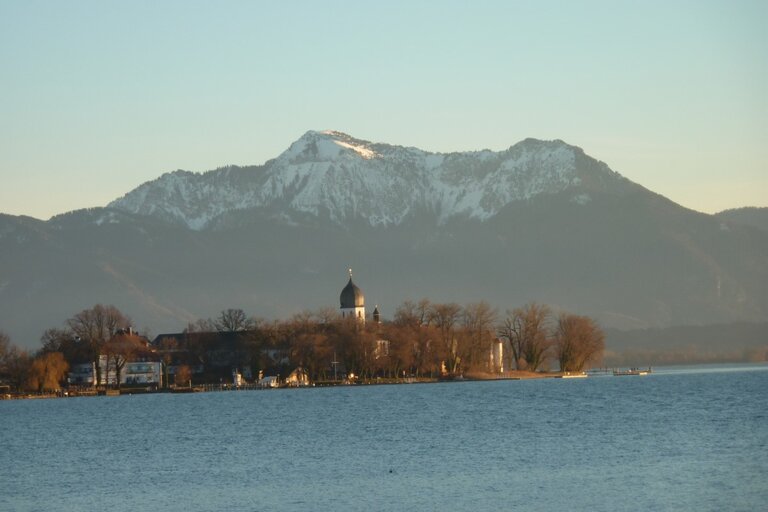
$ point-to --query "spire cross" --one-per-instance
(350, 272)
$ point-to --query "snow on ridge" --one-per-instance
(327, 145)
(361, 150)
(350, 178)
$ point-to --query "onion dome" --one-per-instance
(351, 296)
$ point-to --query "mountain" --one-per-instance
(333, 175)
(731, 342)
(751, 216)
(539, 221)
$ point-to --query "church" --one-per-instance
(352, 303)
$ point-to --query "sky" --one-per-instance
(97, 97)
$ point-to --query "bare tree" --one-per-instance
(53, 340)
(167, 347)
(183, 376)
(477, 322)
(445, 317)
(344, 337)
(578, 342)
(5, 350)
(412, 348)
(418, 342)
(201, 325)
(96, 326)
(401, 347)
(308, 338)
(98, 323)
(510, 330)
(526, 331)
(308, 350)
(233, 320)
(72, 348)
(364, 348)
(327, 315)
(14, 363)
(413, 313)
(119, 350)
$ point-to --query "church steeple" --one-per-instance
(352, 301)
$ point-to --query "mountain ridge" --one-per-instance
(351, 178)
(747, 216)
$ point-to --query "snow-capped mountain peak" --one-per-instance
(332, 173)
(324, 146)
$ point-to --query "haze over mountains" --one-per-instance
(539, 221)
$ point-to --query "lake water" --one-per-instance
(679, 439)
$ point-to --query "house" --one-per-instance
(131, 372)
(129, 359)
(298, 378)
(269, 382)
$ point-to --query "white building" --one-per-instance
(138, 372)
(497, 356)
(148, 372)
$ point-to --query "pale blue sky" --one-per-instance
(97, 97)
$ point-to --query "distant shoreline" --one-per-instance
(211, 388)
(468, 377)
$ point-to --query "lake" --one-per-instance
(687, 438)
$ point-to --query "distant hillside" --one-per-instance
(541, 221)
(734, 342)
(751, 216)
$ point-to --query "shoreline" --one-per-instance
(212, 388)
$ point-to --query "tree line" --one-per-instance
(423, 338)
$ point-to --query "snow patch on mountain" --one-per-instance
(347, 178)
(581, 199)
(360, 150)
(107, 218)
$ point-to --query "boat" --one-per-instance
(572, 375)
(632, 371)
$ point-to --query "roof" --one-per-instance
(351, 296)
(219, 337)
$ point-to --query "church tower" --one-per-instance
(352, 301)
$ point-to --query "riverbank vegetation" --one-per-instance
(424, 339)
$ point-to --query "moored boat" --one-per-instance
(632, 371)
(572, 375)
